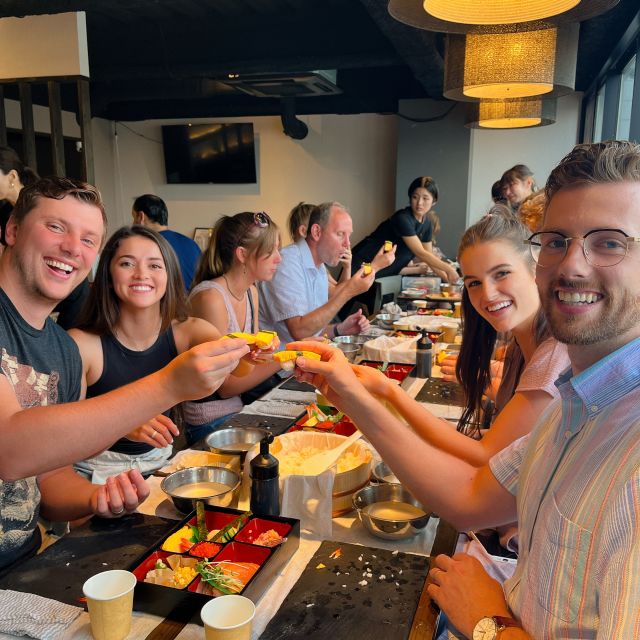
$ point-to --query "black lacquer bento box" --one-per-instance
(239, 553)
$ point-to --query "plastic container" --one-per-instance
(265, 491)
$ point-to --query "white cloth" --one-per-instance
(26, 614)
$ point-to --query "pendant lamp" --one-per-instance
(498, 66)
(464, 16)
(511, 114)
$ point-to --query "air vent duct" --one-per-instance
(286, 85)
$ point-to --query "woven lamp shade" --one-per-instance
(466, 16)
(498, 66)
(511, 114)
(496, 11)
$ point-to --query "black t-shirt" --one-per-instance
(43, 367)
(401, 224)
(121, 366)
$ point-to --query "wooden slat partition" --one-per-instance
(84, 110)
(28, 130)
(57, 137)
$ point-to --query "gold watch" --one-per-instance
(489, 628)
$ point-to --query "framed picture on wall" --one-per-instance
(201, 235)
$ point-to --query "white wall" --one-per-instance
(493, 152)
(347, 158)
(439, 149)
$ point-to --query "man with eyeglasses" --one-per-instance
(573, 483)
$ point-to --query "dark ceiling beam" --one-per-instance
(418, 48)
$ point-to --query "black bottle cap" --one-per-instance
(265, 466)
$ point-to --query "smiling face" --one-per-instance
(138, 272)
(500, 284)
(421, 202)
(587, 305)
(335, 236)
(517, 190)
(53, 248)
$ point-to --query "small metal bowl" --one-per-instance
(386, 320)
(234, 440)
(351, 351)
(382, 473)
(359, 339)
(387, 528)
(194, 475)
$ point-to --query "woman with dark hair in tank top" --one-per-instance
(243, 249)
(134, 323)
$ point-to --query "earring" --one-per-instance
(11, 185)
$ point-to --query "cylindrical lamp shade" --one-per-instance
(473, 16)
(498, 66)
(511, 114)
(496, 11)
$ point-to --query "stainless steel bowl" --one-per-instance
(382, 473)
(351, 351)
(359, 339)
(234, 440)
(386, 320)
(383, 527)
(194, 475)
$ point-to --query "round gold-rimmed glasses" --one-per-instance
(600, 247)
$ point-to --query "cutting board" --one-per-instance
(364, 593)
(98, 545)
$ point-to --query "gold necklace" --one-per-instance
(238, 298)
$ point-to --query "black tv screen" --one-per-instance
(209, 153)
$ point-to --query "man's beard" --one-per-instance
(618, 313)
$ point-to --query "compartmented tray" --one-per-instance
(343, 427)
(254, 565)
(395, 370)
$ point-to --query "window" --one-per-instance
(597, 126)
(626, 99)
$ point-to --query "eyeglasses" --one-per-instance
(600, 247)
(261, 219)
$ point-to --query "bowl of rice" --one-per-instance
(353, 468)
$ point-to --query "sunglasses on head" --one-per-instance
(261, 219)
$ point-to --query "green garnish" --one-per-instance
(160, 565)
(214, 576)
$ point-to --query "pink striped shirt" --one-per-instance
(577, 482)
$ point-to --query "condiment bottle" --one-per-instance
(424, 356)
(264, 472)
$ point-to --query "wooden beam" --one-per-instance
(28, 130)
(84, 108)
(3, 119)
(57, 137)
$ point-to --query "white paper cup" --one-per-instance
(228, 618)
(110, 601)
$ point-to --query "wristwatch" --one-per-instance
(489, 628)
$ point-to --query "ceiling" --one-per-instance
(169, 58)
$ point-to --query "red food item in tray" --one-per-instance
(258, 527)
(205, 549)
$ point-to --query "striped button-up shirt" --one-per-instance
(577, 482)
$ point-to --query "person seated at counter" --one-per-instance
(296, 303)
(53, 237)
(243, 249)
(517, 184)
(573, 482)
(136, 321)
(410, 229)
(298, 223)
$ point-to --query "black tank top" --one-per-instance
(122, 366)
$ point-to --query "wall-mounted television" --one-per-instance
(209, 153)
